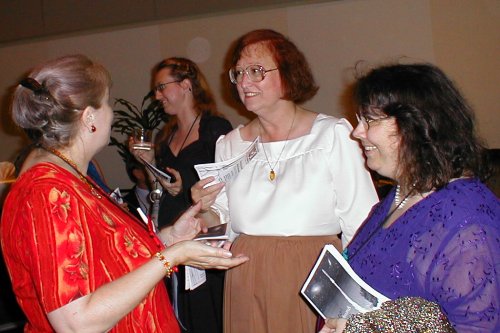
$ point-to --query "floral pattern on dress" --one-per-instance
(75, 266)
(108, 220)
(144, 321)
(60, 243)
(134, 247)
(59, 204)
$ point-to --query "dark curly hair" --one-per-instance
(296, 76)
(435, 123)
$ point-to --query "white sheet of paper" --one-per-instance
(194, 277)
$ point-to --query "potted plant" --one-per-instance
(128, 116)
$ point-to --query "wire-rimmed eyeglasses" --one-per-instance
(159, 87)
(367, 121)
(255, 73)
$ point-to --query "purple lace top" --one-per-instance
(446, 249)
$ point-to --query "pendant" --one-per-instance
(272, 175)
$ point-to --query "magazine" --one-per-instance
(226, 171)
(155, 171)
(335, 290)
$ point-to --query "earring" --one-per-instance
(90, 121)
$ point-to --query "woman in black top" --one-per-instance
(187, 139)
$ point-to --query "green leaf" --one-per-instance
(128, 116)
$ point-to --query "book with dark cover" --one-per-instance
(218, 232)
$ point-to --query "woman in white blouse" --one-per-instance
(306, 186)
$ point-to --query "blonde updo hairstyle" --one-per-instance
(50, 107)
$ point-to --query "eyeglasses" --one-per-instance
(367, 122)
(255, 73)
(162, 86)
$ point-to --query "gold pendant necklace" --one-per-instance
(272, 173)
(72, 164)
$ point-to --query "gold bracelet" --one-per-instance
(166, 264)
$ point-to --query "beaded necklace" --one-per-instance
(397, 199)
(72, 164)
(345, 253)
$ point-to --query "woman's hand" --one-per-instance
(206, 195)
(336, 325)
(203, 256)
(139, 154)
(185, 228)
(173, 188)
(225, 244)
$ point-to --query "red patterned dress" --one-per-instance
(60, 243)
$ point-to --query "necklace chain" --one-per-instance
(272, 173)
(187, 135)
(72, 164)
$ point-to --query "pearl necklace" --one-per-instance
(397, 198)
(272, 173)
(72, 164)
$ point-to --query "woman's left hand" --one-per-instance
(172, 188)
(336, 325)
(202, 256)
(185, 228)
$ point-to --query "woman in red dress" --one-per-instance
(78, 262)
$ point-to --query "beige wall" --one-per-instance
(460, 36)
(466, 40)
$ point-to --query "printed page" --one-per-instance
(194, 277)
(335, 290)
(226, 171)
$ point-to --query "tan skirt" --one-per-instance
(263, 295)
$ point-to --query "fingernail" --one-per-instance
(227, 254)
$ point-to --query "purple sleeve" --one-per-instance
(464, 278)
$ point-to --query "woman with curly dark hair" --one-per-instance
(436, 234)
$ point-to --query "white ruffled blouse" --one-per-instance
(321, 188)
